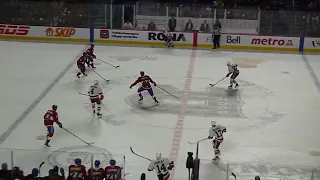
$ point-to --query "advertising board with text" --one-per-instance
(14, 30)
(312, 43)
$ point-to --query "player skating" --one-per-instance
(168, 38)
(234, 71)
(113, 172)
(145, 81)
(50, 118)
(77, 171)
(96, 95)
(91, 56)
(162, 166)
(216, 131)
(81, 64)
(96, 173)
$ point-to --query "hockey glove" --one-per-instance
(209, 137)
(154, 84)
(131, 87)
(60, 125)
(101, 97)
(170, 167)
(62, 171)
(228, 75)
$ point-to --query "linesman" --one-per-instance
(216, 36)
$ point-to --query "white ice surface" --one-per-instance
(28, 68)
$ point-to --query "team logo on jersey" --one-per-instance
(65, 156)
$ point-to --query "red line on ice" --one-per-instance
(179, 124)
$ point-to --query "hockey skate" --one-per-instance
(99, 115)
(237, 85)
(155, 100)
(230, 86)
(47, 143)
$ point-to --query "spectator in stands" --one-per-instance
(152, 26)
(257, 178)
(4, 172)
(34, 174)
(128, 25)
(189, 26)
(172, 24)
(205, 27)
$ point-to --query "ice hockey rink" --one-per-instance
(272, 118)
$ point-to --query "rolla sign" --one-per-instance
(153, 36)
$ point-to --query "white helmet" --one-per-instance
(96, 82)
(213, 123)
(158, 156)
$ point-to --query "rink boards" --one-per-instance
(156, 38)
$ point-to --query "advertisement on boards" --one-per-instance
(316, 43)
(272, 41)
(14, 30)
(232, 39)
(60, 32)
(159, 36)
(119, 34)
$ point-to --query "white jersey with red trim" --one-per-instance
(217, 132)
(95, 91)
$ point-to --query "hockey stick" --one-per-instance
(78, 137)
(139, 155)
(197, 141)
(168, 92)
(235, 177)
(109, 63)
(41, 164)
(83, 94)
(217, 82)
(107, 80)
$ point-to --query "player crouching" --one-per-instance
(216, 131)
(161, 165)
(234, 71)
(96, 95)
(145, 80)
(168, 39)
(81, 64)
(50, 118)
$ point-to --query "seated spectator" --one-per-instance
(4, 172)
(152, 26)
(189, 26)
(205, 27)
(128, 25)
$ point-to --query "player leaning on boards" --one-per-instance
(234, 71)
(161, 165)
(145, 81)
(216, 131)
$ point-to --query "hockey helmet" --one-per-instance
(54, 107)
(141, 73)
(97, 162)
(158, 156)
(213, 123)
(77, 161)
(113, 162)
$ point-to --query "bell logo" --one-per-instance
(60, 32)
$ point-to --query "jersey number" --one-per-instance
(47, 116)
(112, 176)
(161, 168)
(92, 90)
(76, 174)
(218, 133)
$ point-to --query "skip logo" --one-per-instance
(316, 43)
(161, 36)
(233, 40)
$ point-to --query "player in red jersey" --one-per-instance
(77, 171)
(50, 118)
(113, 172)
(96, 173)
(81, 64)
(145, 81)
(91, 56)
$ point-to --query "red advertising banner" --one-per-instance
(14, 30)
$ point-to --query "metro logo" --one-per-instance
(16, 30)
(271, 42)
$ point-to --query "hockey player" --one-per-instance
(77, 171)
(96, 95)
(81, 64)
(216, 36)
(96, 173)
(168, 38)
(216, 131)
(51, 117)
(234, 71)
(91, 56)
(161, 165)
(145, 81)
(113, 172)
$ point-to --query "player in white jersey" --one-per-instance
(168, 38)
(96, 95)
(216, 131)
(162, 167)
(234, 71)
